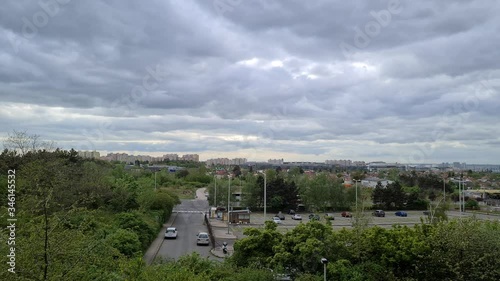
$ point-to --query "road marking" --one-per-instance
(186, 211)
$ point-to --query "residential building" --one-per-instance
(275, 161)
(89, 154)
(171, 157)
(191, 157)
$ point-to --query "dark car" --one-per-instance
(314, 217)
(281, 216)
(346, 214)
(291, 212)
(401, 214)
(379, 213)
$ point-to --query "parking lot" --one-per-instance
(414, 217)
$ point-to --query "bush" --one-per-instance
(125, 241)
(136, 222)
(472, 204)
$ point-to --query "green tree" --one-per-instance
(125, 241)
(256, 249)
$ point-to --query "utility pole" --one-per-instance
(228, 201)
(265, 195)
(215, 196)
(357, 195)
(444, 189)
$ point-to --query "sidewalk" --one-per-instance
(217, 251)
(222, 234)
(220, 229)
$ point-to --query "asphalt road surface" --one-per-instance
(188, 221)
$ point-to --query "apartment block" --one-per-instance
(89, 154)
(191, 157)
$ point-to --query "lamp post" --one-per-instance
(444, 189)
(228, 201)
(460, 191)
(215, 196)
(324, 261)
(357, 195)
(265, 195)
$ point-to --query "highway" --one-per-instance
(188, 221)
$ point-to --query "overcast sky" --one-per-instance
(409, 81)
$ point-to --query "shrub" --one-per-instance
(125, 241)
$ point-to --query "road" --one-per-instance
(188, 221)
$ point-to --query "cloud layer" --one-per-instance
(409, 81)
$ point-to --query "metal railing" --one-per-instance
(210, 233)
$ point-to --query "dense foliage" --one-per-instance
(78, 219)
(456, 250)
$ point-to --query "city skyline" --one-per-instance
(393, 81)
(282, 161)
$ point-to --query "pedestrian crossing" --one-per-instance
(187, 211)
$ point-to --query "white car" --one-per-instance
(171, 233)
(203, 239)
(277, 220)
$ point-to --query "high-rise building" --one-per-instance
(191, 157)
(172, 157)
(89, 154)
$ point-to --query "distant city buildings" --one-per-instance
(89, 154)
(124, 157)
(341, 163)
(275, 161)
(226, 161)
(345, 163)
(191, 157)
(171, 157)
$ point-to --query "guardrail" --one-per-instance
(210, 233)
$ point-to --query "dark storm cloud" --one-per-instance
(208, 76)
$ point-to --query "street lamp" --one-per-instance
(324, 261)
(215, 196)
(460, 191)
(357, 194)
(444, 189)
(265, 194)
(228, 201)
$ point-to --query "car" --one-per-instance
(296, 217)
(281, 216)
(379, 213)
(401, 214)
(277, 220)
(291, 212)
(202, 238)
(346, 214)
(171, 233)
(314, 217)
(329, 216)
(427, 213)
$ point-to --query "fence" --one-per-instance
(210, 233)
